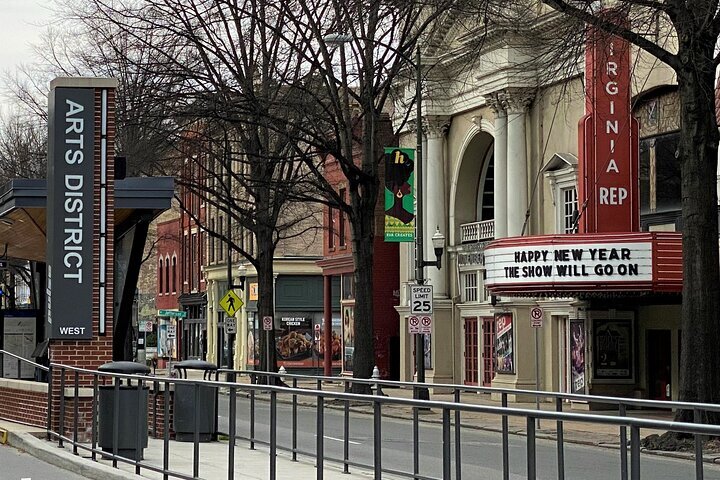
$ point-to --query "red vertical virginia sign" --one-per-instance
(608, 143)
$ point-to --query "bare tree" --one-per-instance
(226, 83)
(689, 49)
(23, 147)
(78, 46)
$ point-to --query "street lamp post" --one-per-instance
(438, 239)
(339, 40)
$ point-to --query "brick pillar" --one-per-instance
(81, 204)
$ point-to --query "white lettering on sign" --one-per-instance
(74, 201)
(572, 263)
(72, 330)
(613, 195)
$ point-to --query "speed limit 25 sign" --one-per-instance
(421, 299)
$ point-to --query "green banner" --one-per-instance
(399, 194)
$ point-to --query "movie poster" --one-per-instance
(399, 195)
(612, 340)
(577, 356)
(504, 359)
(348, 332)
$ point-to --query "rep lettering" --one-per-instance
(613, 195)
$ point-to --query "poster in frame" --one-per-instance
(577, 359)
(613, 349)
(504, 352)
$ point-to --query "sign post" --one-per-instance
(267, 326)
(420, 320)
(536, 321)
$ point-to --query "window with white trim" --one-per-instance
(561, 173)
(569, 199)
(470, 287)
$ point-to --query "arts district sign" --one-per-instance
(569, 264)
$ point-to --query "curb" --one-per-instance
(64, 459)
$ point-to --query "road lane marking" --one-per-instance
(340, 440)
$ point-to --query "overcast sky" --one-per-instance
(23, 21)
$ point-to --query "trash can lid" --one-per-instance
(195, 365)
(130, 368)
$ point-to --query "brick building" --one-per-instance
(337, 263)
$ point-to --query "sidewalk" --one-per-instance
(249, 464)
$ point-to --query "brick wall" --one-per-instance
(22, 405)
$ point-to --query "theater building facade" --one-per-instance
(558, 194)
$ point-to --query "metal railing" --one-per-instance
(20, 361)
(477, 231)
(450, 430)
(623, 420)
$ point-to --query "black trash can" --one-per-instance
(186, 408)
(132, 411)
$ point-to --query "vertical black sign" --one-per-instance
(70, 213)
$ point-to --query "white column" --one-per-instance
(434, 200)
(500, 166)
(517, 176)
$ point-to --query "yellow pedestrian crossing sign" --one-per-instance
(231, 303)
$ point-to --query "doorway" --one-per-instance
(471, 351)
(488, 349)
(659, 364)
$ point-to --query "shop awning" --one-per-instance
(22, 211)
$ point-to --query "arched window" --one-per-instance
(174, 274)
(160, 277)
(167, 275)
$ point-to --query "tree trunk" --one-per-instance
(700, 358)
(266, 300)
(362, 242)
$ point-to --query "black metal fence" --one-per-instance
(298, 389)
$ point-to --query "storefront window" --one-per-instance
(348, 292)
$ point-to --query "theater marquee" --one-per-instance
(584, 263)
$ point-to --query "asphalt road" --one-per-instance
(481, 450)
(17, 465)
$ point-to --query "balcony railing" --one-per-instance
(477, 231)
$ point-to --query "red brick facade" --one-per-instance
(169, 261)
(337, 260)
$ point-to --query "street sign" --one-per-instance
(413, 324)
(146, 326)
(267, 323)
(231, 303)
(421, 299)
(425, 324)
(172, 313)
(536, 317)
(171, 332)
(230, 326)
